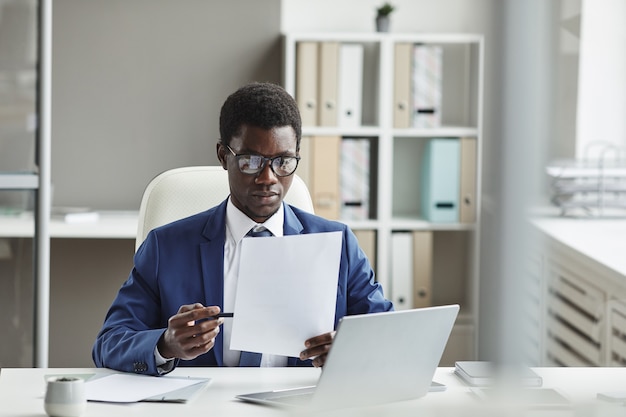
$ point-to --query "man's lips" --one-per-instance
(265, 195)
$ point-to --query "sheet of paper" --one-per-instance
(286, 292)
(128, 388)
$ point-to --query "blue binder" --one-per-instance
(440, 180)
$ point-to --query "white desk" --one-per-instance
(22, 391)
(111, 225)
(600, 242)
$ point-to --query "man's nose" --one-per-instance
(266, 176)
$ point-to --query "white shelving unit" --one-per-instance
(37, 181)
(397, 159)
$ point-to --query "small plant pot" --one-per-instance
(383, 23)
(65, 397)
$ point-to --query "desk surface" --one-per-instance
(22, 391)
(111, 225)
(601, 240)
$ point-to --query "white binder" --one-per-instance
(402, 270)
(350, 85)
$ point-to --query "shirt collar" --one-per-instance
(239, 224)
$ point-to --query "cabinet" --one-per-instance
(582, 318)
(25, 98)
(364, 87)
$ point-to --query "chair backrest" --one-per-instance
(181, 192)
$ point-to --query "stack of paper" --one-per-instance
(75, 214)
(130, 388)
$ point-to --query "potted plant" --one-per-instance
(382, 17)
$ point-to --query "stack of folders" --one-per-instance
(337, 172)
(329, 83)
(484, 374)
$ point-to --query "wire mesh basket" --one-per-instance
(594, 185)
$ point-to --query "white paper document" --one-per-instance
(129, 388)
(286, 292)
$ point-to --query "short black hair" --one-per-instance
(260, 104)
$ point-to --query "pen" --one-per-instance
(217, 316)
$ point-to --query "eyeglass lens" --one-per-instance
(281, 165)
(253, 164)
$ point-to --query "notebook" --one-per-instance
(375, 358)
(483, 374)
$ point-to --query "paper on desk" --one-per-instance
(129, 388)
(286, 292)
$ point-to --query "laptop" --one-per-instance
(375, 358)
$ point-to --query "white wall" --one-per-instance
(602, 80)
(138, 86)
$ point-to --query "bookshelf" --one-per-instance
(400, 145)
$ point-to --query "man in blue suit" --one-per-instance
(165, 313)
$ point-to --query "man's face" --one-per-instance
(259, 195)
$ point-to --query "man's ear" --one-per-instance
(221, 155)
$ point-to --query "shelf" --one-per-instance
(111, 225)
(365, 37)
(420, 224)
(361, 224)
(19, 181)
(444, 131)
(341, 131)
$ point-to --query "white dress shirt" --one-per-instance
(237, 227)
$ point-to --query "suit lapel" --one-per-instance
(292, 225)
(212, 256)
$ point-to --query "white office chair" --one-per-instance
(181, 192)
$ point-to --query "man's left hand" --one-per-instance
(317, 348)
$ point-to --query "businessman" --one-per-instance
(166, 313)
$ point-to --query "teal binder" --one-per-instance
(440, 180)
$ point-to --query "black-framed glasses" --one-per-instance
(282, 166)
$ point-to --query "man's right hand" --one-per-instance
(191, 332)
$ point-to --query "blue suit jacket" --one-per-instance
(183, 263)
